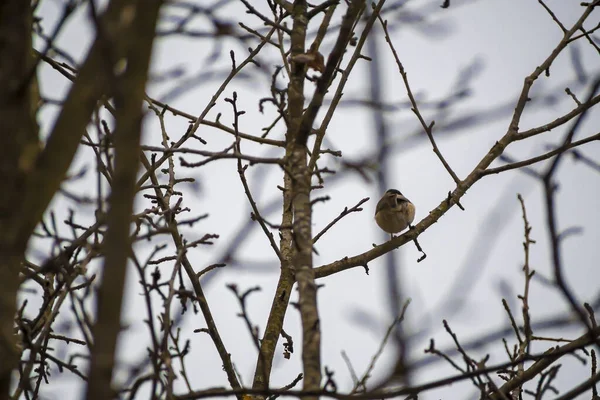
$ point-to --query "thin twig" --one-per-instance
(346, 211)
(241, 172)
(415, 108)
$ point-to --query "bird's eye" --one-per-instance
(400, 200)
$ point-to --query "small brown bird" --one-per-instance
(394, 212)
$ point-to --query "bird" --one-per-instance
(394, 212)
